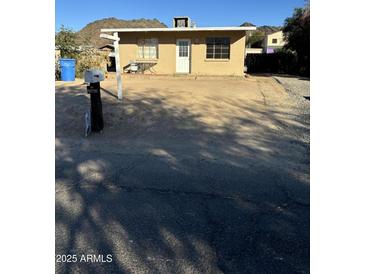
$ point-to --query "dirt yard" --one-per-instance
(189, 176)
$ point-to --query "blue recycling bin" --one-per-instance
(67, 69)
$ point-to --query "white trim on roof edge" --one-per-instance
(176, 29)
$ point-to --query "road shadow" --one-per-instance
(164, 192)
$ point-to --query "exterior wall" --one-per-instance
(270, 47)
(57, 54)
(166, 62)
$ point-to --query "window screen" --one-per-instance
(148, 48)
(218, 48)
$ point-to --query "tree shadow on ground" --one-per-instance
(164, 192)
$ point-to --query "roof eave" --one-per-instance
(178, 29)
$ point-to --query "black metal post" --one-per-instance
(96, 108)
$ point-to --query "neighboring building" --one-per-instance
(273, 41)
(107, 47)
(253, 51)
(185, 48)
(57, 53)
(111, 55)
(249, 49)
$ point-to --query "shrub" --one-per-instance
(90, 58)
(282, 61)
(57, 70)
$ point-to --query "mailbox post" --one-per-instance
(93, 78)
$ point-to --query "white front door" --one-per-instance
(183, 56)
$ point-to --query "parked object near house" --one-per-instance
(134, 67)
(183, 49)
(273, 41)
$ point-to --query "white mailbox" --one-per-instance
(93, 76)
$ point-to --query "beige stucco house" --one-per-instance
(273, 41)
(182, 49)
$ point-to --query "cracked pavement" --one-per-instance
(188, 176)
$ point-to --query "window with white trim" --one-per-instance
(218, 47)
(148, 48)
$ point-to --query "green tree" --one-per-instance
(66, 41)
(297, 36)
(73, 46)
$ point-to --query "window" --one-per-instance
(274, 41)
(148, 48)
(181, 22)
(183, 48)
(218, 48)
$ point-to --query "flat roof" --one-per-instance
(177, 29)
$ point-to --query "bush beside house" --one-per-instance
(297, 35)
(279, 62)
(68, 46)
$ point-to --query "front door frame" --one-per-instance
(177, 56)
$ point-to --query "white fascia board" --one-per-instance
(178, 29)
(110, 37)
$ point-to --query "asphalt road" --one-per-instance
(184, 196)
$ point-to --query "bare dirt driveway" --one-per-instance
(189, 176)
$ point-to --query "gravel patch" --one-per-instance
(299, 91)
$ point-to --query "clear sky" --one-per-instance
(76, 14)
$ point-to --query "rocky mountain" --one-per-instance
(89, 35)
(262, 29)
(268, 29)
(247, 24)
